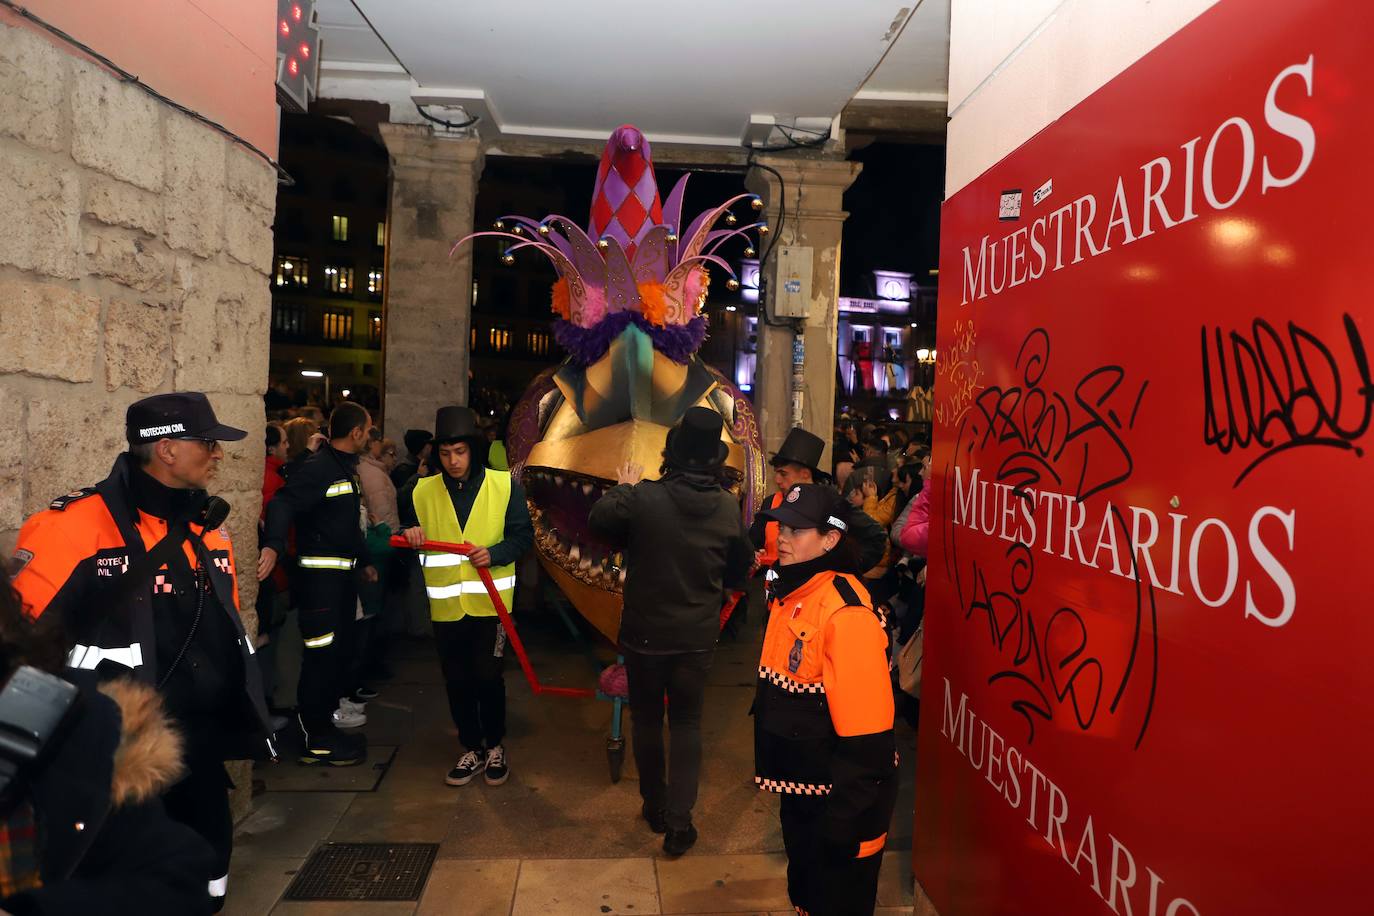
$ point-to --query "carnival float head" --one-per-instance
(628, 302)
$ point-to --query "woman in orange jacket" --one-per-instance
(823, 710)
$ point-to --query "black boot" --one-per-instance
(676, 842)
(655, 817)
(331, 746)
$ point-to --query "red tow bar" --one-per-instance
(506, 623)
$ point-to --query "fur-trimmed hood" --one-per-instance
(149, 758)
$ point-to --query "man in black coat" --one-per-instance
(685, 546)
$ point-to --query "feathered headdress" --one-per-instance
(641, 268)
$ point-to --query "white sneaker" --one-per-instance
(349, 715)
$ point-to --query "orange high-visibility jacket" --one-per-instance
(823, 708)
(70, 557)
(770, 536)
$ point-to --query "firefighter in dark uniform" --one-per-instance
(798, 461)
(823, 710)
(324, 499)
(142, 577)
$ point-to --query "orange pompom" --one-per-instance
(562, 300)
(654, 303)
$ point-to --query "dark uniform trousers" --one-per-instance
(200, 801)
(472, 654)
(328, 605)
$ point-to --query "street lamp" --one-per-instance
(316, 373)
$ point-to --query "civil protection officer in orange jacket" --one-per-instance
(823, 709)
(173, 624)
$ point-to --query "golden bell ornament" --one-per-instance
(518, 230)
(731, 219)
(498, 225)
(543, 230)
(603, 244)
(732, 284)
(763, 230)
(750, 252)
(508, 259)
(756, 203)
(672, 237)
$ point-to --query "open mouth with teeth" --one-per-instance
(560, 503)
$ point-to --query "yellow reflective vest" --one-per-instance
(453, 584)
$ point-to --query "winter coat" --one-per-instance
(379, 493)
(105, 843)
(685, 545)
(882, 510)
(916, 534)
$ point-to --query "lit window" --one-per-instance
(374, 282)
(374, 329)
(381, 234)
(338, 279)
(292, 272)
(537, 344)
(338, 325)
(340, 228)
(500, 339)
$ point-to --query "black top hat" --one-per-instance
(454, 423)
(809, 505)
(179, 415)
(801, 447)
(695, 443)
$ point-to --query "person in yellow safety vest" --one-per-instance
(467, 502)
(823, 709)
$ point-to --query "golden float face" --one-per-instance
(617, 410)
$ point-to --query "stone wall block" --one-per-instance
(248, 234)
(222, 339)
(195, 186)
(251, 179)
(137, 336)
(34, 74)
(116, 128)
(124, 257)
(11, 462)
(47, 330)
(43, 203)
(72, 442)
(115, 203)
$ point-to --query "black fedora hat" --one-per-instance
(454, 424)
(801, 447)
(695, 443)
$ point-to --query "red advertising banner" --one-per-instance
(1149, 655)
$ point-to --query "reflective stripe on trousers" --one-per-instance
(220, 886)
(468, 588)
(319, 642)
(326, 562)
(88, 657)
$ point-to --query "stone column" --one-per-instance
(813, 192)
(428, 294)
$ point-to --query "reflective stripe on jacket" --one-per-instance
(453, 584)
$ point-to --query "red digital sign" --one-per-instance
(1147, 685)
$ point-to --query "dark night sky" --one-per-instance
(894, 205)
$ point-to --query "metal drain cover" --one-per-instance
(365, 871)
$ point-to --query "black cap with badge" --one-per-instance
(809, 505)
(179, 415)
